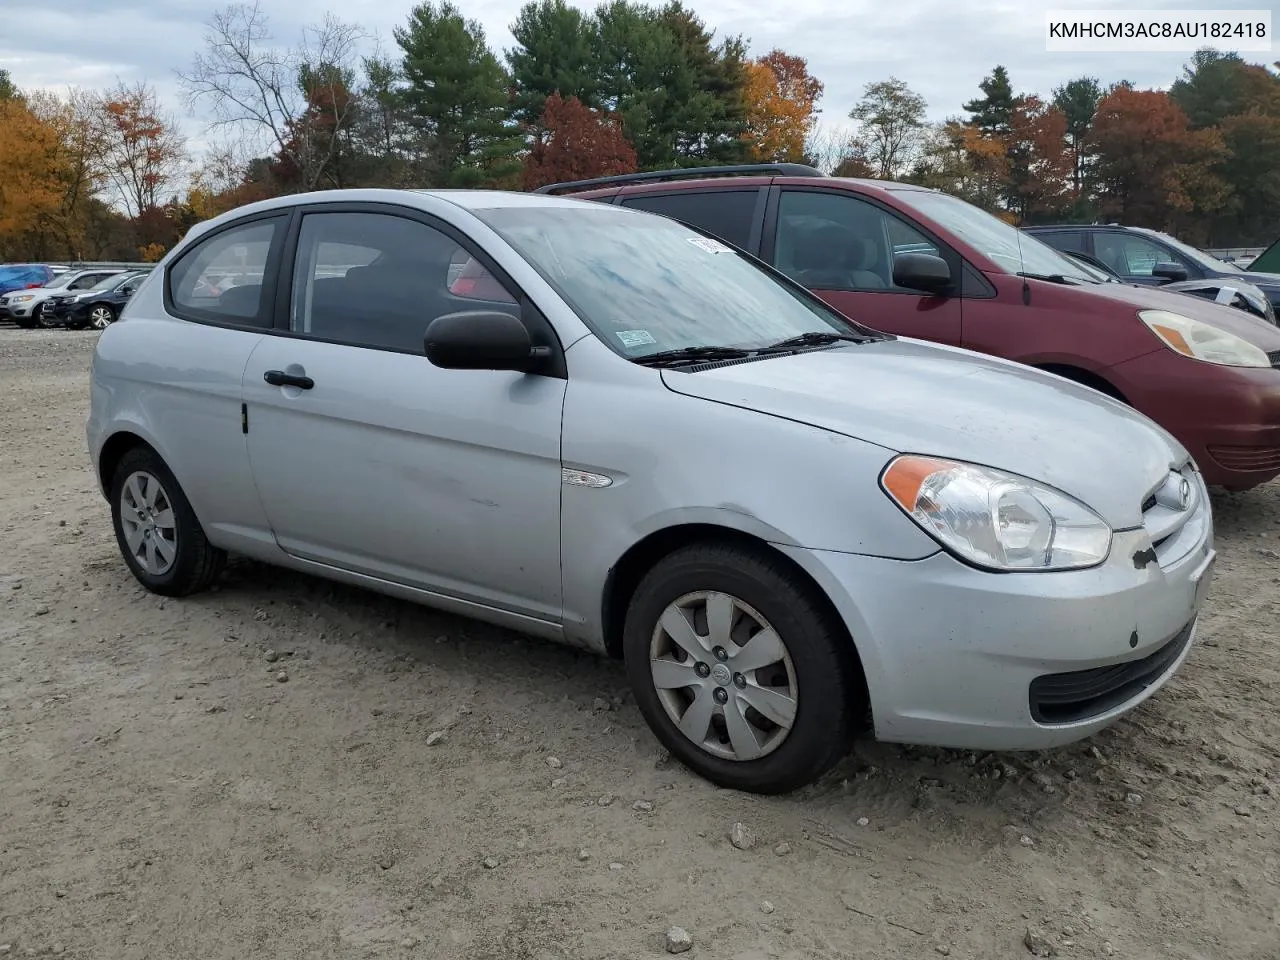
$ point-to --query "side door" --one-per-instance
(735, 215)
(842, 247)
(368, 458)
(1134, 257)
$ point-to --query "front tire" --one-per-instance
(739, 670)
(159, 536)
(45, 317)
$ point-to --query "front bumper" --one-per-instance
(957, 657)
(1228, 418)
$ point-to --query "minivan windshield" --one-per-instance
(646, 284)
(1008, 246)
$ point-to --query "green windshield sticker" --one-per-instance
(635, 338)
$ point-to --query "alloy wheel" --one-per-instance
(723, 675)
(148, 521)
(100, 317)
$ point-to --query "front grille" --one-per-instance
(1082, 694)
(1274, 357)
(1246, 459)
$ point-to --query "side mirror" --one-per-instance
(1170, 271)
(482, 340)
(922, 271)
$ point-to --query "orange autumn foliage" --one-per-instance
(781, 98)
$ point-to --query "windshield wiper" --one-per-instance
(671, 358)
(816, 338)
(1053, 278)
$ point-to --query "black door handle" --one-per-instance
(278, 378)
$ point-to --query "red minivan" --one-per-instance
(920, 263)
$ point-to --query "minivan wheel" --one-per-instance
(159, 536)
(738, 671)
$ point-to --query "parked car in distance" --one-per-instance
(23, 276)
(27, 308)
(614, 431)
(98, 306)
(1207, 373)
(1232, 293)
(1150, 257)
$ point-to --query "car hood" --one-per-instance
(1245, 325)
(1266, 281)
(914, 397)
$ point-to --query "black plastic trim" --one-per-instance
(686, 173)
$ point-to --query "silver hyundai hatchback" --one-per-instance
(605, 428)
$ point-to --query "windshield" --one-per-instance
(1008, 246)
(1196, 256)
(646, 284)
(109, 283)
(60, 281)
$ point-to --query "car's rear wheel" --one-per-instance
(159, 536)
(101, 316)
(739, 670)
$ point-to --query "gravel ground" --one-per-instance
(285, 768)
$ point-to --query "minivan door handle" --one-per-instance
(278, 378)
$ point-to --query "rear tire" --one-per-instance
(765, 717)
(159, 536)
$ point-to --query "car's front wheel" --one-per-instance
(45, 317)
(158, 533)
(739, 669)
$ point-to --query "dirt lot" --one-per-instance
(249, 774)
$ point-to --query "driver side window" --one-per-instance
(1128, 255)
(377, 280)
(827, 241)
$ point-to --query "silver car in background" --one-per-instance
(610, 430)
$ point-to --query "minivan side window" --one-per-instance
(830, 241)
(220, 279)
(1129, 255)
(727, 214)
(378, 280)
(1063, 239)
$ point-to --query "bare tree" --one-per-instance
(293, 102)
(142, 150)
(891, 120)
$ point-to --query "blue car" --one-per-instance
(23, 276)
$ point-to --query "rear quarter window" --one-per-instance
(727, 214)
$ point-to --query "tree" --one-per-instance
(142, 149)
(679, 97)
(1152, 168)
(79, 161)
(261, 92)
(958, 159)
(457, 95)
(555, 52)
(891, 119)
(1078, 100)
(1212, 87)
(574, 143)
(781, 99)
(1040, 166)
(993, 111)
(31, 182)
(7, 90)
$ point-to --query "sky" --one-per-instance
(941, 48)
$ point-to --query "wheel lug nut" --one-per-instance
(739, 681)
(720, 653)
(702, 670)
(721, 695)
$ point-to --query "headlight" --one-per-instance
(994, 519)
(1202, 341)
(21, 298)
